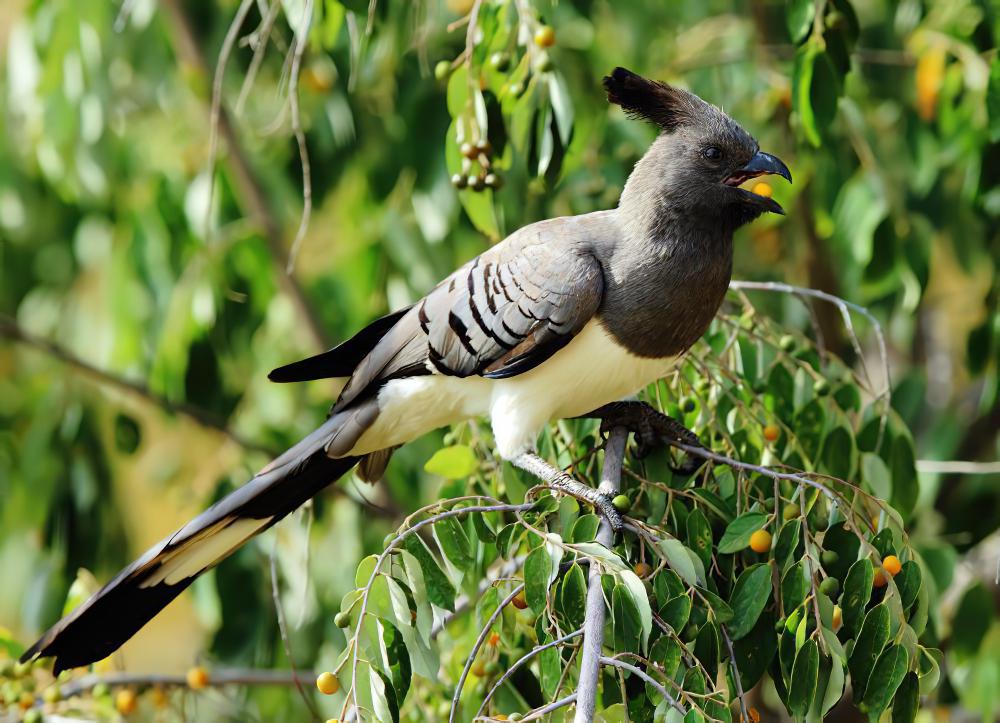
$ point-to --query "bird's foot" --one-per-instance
(595, 498)
(651, 429)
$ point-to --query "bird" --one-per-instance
(564, 318)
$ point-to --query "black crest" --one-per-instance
(652, 100)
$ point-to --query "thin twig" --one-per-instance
(934, 466)
(283, 630)
(483, 634)
(593, 626)
(300, 137)
(646, 677)
(736, 673)
(553, 706)
(263, 37)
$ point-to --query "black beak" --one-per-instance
(764, 163)
(761, 164)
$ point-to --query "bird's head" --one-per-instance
(701, 157)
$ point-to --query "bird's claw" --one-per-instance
(652, 430)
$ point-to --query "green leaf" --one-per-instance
(452, 462)
(509, 539)
(805, 672)
(838, 455)
(830, 687)
(455, 543)
(857, 593)
(905, 486)
(868, 646)
(799, 18)
(750, 595)
(875, 473)
(699, 536)
(550, 668)
(719, 607)
(640, 599)
(667, 652)
(794, 586)
(627, 624)
(907, 700)
(815, 87)
(584, 528)
(537, 568)
(676, 612)
(440, 591)
(908, 583)
(789, 539)
(680, 559)
(573, 596)
(888, 673)
(738, 532)
(755, 651)
(971, 621)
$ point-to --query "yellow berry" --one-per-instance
(762, 189)
(327, 683)
(892, 565)
(838, 617)
(642, 569)
(125, 701)
(197, 678)
(545, 37)
(771, 432)
(760, 541)
(159, 697)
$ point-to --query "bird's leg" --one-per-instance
(651, 429)
(548, 473)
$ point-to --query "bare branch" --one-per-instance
(593, 626)
(646, 677)
(736, 673)
(300, 137)
(217, 678)
(553, 706)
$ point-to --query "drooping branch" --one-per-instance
(593, 625)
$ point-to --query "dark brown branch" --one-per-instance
(247, 185)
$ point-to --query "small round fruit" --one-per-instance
(493, 181)
(468, 150)
(892, 565)
(754, 715)
(762, 189)
(21, 669)
(159, 697)
(26, 701)
(790, 512)
(642, 569)
(838, 618)
(126, 701)
(52, 694)
(771, 432)
(101, 690)
(787, 342)
(500, 61)
(880, 579)
(515, 716)
(830, 587)
(519, 601)
(760, 541)
(327, 683)
(545, 37)
(442, 69)
(499, 716)
(829, 557)
(197, 678)
(484, 146)
(342, 619)
(460, 181)
(479, 668)
(494, 639)
(621, 503)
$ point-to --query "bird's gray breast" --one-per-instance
(661, 294)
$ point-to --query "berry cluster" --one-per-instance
(479, 153)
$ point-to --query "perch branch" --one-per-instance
(593, 626)
(604, 660)
(216, 678)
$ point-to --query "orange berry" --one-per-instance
(754, 715)
(879, 580)
(159, 697)
(519, 601)
(126, 701)
(838, 617)
(642, 569)
(929, 78)
(771, 432)
(494, 638)
(760, 541)
(892, 565)
(762, 189)
(327, 683)
(26, 701)
(197, 678)
(545, 37)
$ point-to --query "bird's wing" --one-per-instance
(500, 315)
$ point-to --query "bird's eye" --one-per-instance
(712, 153)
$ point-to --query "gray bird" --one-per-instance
(562, 319)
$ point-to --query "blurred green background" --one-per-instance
(164, 286)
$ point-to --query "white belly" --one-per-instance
(588, 372)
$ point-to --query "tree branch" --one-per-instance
(216, 678)
(593, 625)
(247, 185)
(604, 660)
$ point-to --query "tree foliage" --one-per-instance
(161, 254)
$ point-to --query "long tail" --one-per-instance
(114, 614)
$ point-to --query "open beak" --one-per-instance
(760, 165)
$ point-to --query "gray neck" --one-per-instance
(668, 271)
